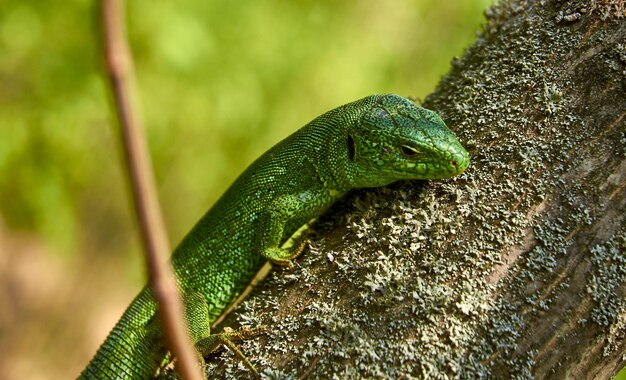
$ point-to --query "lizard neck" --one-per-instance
(333, 153)
(337, 169)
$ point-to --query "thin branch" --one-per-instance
(137, 160)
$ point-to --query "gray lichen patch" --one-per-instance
(607, 277)
(572, 11)
(513, 270)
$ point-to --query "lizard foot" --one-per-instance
(284, 257)
(226, 338)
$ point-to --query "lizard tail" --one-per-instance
(130, 351)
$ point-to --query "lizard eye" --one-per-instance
(409, 151)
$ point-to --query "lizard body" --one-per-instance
(367, 143)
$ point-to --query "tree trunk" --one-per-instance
(517, 269)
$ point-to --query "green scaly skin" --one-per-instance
(371, 142)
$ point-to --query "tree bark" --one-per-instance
(517, 269)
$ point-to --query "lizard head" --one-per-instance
(396, 139)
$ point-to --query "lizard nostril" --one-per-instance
(453, 163)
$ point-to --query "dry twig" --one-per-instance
(137, 160)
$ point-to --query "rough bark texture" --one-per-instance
(517, 269)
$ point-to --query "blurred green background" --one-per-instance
(220, 82)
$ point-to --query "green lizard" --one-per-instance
(368, 143)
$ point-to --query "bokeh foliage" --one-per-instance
(220, 82)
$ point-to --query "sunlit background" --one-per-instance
(220, 82)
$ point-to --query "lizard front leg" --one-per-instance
(304, 205)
